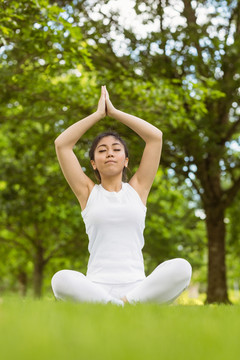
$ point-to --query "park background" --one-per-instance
(175, 64)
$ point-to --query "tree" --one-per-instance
(39, 50)
(233, 242)
(172, 227)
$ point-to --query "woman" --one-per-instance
(114, 215)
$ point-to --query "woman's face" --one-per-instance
(109, 157)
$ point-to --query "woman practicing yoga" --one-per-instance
(114, 215)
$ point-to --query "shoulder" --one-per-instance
(143, 194)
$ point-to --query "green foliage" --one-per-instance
(39, 215)
(172, 228)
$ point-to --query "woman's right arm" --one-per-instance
(79, 182)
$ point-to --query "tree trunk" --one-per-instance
(38, 272)
(217, 284)
(22, 281)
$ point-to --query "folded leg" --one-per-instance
(73, 285)
(164, 284)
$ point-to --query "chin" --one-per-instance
(111, 174)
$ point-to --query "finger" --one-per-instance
(104, 90)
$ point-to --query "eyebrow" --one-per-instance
(106, 145)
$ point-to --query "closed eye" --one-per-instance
(113, 150)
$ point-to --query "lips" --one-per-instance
(110, 161)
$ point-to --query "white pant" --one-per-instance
(163, 285)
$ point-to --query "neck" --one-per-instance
(112, 184)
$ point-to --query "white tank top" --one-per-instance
(115, 222)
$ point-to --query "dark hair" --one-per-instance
(94, 145)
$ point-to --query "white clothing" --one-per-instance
(115, 222)
(163, 285)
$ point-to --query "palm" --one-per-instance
(105, 107)
(102, 102)
(109, 105)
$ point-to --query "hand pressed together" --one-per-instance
(105, 107)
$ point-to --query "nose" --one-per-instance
(109, 153)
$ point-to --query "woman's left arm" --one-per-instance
(143, 178)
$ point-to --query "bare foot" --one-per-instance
(125, 300)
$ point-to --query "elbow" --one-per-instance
(155, 137)
(57, 143)
(60, 143)
(159, 135)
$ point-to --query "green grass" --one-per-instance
(46, 329)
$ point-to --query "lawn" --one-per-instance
(47, 329)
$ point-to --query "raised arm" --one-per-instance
(143, 178)
(79, 182)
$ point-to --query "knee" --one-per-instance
(183, 270)
(58, 279)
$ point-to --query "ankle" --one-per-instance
(124, 299)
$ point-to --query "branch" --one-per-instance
(16, 243)
(230, 194)
(53, 252)
(237, 9)
(180, 171)
(160, 12)
(9, 228)
(229, 29)
(231, 131)
(230, 60)
(28, 237)
(197, 188)
(191, 18)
